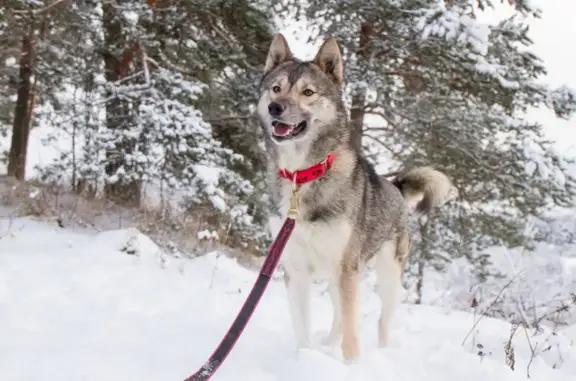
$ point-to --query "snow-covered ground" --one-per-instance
(76, 305)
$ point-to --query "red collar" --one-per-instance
(309, 174)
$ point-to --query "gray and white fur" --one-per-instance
(347, 217)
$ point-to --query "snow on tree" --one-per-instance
(133, 87)
(430, 84)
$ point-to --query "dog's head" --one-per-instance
(299, 101)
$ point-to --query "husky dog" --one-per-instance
(349, 214)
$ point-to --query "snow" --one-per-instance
(10, 61)
(208, 235)
(441, 22)
(110, 306)
(534, 284)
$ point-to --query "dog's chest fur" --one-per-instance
(316, 247)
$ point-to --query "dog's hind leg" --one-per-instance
(336, 330)
(298, 290)
(388, 265)
(349, 292)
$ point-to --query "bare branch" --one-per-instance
(491, 305)
(166, 62)
(229, 118)
(44, 10)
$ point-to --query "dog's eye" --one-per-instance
(276, 89)
(308, 92)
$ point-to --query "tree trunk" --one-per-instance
(357, 111)
(126, 192)
(420, 280)
(22, 114)
(423, 258)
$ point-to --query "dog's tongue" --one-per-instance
(281, 129)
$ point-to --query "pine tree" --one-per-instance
(28, 29)
(10, 49)
(429, 84)
(157, 95)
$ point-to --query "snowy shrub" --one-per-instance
(163, 141)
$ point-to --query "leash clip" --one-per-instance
(294, 209)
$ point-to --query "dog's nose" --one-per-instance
(275, 109)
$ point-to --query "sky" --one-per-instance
(552, 34)
(553, 37)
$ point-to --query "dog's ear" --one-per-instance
(329, 59)
(278, 53)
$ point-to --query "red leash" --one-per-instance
(219, 355)
(272, 258)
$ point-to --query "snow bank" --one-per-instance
(112, 306)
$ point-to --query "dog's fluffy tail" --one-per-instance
(425, 187)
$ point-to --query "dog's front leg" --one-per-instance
(349, 305)
(298, 290)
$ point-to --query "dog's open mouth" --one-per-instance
(283, 130)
